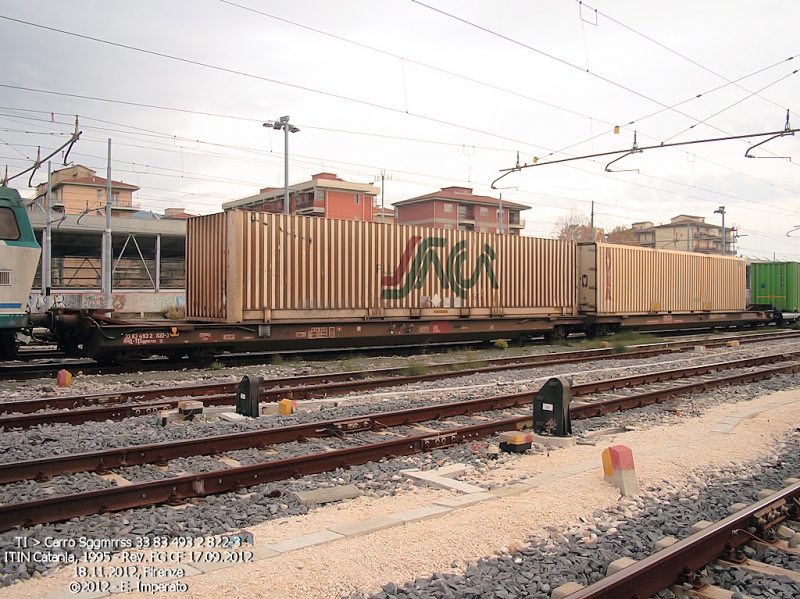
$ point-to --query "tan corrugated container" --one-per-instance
(260, 267)
(627, 280)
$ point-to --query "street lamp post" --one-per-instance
(283, 123)
(722, 212)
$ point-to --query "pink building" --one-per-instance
(326, 195)
(457, 208)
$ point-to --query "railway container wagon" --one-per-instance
(776, 284)
(19, 256)
(267, 282)
(648, 288)
(245, 267)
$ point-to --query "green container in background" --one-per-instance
(776, 283)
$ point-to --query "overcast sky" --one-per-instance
(435, 93)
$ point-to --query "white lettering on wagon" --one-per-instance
(144, 338)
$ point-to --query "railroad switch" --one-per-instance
(551, 408)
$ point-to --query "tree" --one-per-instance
(574, 226)
(622, 234)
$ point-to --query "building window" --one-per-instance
(484, 229)
(99, 193)
(484, 212)
(448, 226)
(355, 195)
(497, 214)
(356, 218)
(448, 208)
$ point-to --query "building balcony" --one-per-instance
(466, 216)
(310, 211)
(133, 207)
(519, 224)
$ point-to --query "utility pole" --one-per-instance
(283, 123)
(107, 261)
(500, 228)
(47, 242)
(591, 224)
(383, 178)
(721, 211)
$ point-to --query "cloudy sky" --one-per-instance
(433, 92)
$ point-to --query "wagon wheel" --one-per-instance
(174, 356)
(129, 358)
(202, 355)
(8, 347)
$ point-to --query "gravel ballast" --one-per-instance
(384, 489)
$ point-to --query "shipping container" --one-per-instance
(261, 267)
(776, 284)
(627, 280)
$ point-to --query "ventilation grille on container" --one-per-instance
(5, 277)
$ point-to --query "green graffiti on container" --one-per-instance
(426, 259)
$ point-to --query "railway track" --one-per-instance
(146, 401)
(675, 567)
(178, 489)
(21, 414)
(15, 371)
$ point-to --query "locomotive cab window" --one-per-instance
(8, 224)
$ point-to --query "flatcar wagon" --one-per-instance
(259, 282)
(19, 255)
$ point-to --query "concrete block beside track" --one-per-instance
(466, 500)
(328, 495)
(421, 513)
(365, 527)
(309, 540)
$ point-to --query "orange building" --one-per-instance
(457, 208)
(326, 195)
(78, 190)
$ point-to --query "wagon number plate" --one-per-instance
(144, 338)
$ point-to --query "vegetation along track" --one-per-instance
(177, 489)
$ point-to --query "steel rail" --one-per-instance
(15, 371)
(121, 412)
(601, 408)
(647, 577)
(162, 453)
(297, 384)
(177, 489)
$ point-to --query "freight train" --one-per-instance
(260, 282)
